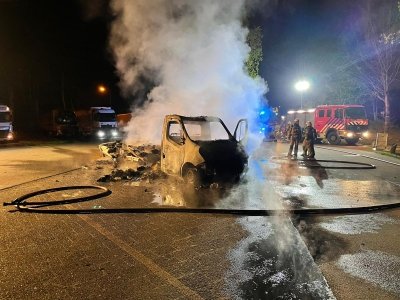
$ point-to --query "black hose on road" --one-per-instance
(35, 207)
(314, 164)
(21, 200)
(357, 154)
(356, 165)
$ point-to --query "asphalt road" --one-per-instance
(186, 256)
(25, 163)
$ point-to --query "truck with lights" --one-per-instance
(98, 122)
(335, 122)
(6, 126)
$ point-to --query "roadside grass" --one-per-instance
(390, 154)
(393, 138)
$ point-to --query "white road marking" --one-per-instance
(144, 260)
(362, 155)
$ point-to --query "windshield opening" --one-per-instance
(203, 130)
(104, 117)
(5, 116)
(355, 113)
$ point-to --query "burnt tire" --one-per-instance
(351, 142)
(333, 138)
(192, 177)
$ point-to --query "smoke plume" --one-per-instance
(194, 52)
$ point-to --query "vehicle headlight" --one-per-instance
(101, 133)
(365, 134)
(10, 136)
(114, 133)
(350, 134)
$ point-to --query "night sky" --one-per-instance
(55, 50)
(297, 40)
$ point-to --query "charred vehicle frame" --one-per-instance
(202, 150)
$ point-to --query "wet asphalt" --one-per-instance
(182, 256)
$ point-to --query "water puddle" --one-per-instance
(358, 224)
(376, 267)
(272, 262)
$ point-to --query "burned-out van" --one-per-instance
(202, 150)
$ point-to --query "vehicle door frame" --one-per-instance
(245, 136)
(173, 152)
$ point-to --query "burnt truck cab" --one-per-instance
(202, 150)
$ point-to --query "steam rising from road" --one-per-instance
(194, 51)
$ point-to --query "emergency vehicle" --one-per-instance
(335, 122)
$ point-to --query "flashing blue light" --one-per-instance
(262, 112)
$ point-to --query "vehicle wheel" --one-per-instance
(333, 138)
(351, 142)
(192, 177)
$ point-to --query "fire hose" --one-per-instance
(314, 164)
(37, 207)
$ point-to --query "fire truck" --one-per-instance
(334, 122)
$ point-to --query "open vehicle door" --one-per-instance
(173, 150)
(241, 130)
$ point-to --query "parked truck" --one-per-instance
(59, 123)
(6, 125)
(99, 122)
(202, 149)
(334, 122)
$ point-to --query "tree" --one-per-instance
(342, 85)
(254, 40)
(380, 56)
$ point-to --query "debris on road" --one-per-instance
(140, 174)
(110, 149)
(144, 155)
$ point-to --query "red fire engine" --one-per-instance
(335, 122)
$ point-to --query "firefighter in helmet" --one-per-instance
(294, 136)
(310, 136)
(287, 129)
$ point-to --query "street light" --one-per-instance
(302, 86)
(103, 90)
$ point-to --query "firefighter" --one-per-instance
(310, 136)
(294, 138)
(287, 129)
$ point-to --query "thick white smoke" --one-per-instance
(194, 50)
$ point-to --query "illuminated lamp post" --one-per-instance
(103, 90)
(302, 86)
